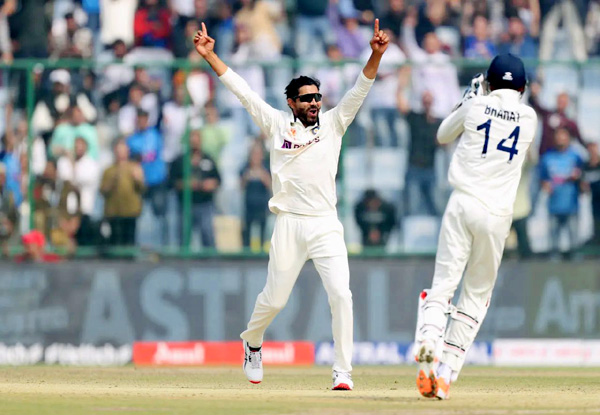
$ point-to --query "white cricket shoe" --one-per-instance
(342, 381)
(427, 382)
(253, 364)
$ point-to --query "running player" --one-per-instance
(497, 131)
(304, 158)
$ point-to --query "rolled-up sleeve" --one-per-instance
(346, 110)
(262, 113)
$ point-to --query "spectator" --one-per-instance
(92, 10)
(117, 76)
(592, 176)
(350, 38)
(312, 31)
(181, 8)
(117, 21)
(67, 217)
(571, 13)
(84, 173)
(176, 116)
(152, 84)
(6, 49)
(8, 212)
(38, 148)
(592, 28)
(558, 118)
(204, 182)
(517, 41)
(183, 37)
(260, 16)
(34, 244)
(335, 77)
(256, 182)
(214, 135)
(146, 146)
(200, 86)
(45, 196)
(423, 128)
(561, 174)
(478, 44)
(70, 127)
(366, 10)
(57, 207)
(527, 11)
(30, 25)
(376, 218)
(383, 99)
(138, 100)
(335, 80)
(202, 14)
(432, 70)
(394, 16)
(522, 206)
(122, 187)
(244, 126)
(225, 28)
(52, 105)
(72, 41)
(152, 25)
(11, 159)
(442, 18)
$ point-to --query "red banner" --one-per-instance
(198, 353)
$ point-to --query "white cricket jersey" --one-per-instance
(304, 160)
(497, 131)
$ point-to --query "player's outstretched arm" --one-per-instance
(350, 103)
(379, 43)
(205, 46)
(262, 113)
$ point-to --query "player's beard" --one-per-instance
(309, 116)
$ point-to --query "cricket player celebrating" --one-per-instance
(497, 131)
(304, 158)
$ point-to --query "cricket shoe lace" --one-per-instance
(253, 364)
(255, 359)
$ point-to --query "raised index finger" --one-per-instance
(204, 31)
(376, 29)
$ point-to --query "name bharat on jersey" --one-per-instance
(502, 114)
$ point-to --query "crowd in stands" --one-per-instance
(112, 142)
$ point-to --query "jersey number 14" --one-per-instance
(501, 145)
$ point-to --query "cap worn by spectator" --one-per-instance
(34, 237)
(60, 76)
(34, 243)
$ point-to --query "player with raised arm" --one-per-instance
(304, 158)
(497, 131)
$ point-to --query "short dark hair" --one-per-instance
(291, 91)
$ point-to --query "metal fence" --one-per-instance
(371, 156)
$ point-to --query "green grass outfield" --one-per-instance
(51, 390)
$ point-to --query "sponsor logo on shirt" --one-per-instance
(288, 144)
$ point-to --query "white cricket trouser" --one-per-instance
(297, 238)
(471, 236)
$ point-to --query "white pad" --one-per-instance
(432, 317)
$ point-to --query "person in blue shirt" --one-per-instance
(561, 174)
(479, 45)
(10, 157)
(146, 147)
(517, 40)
